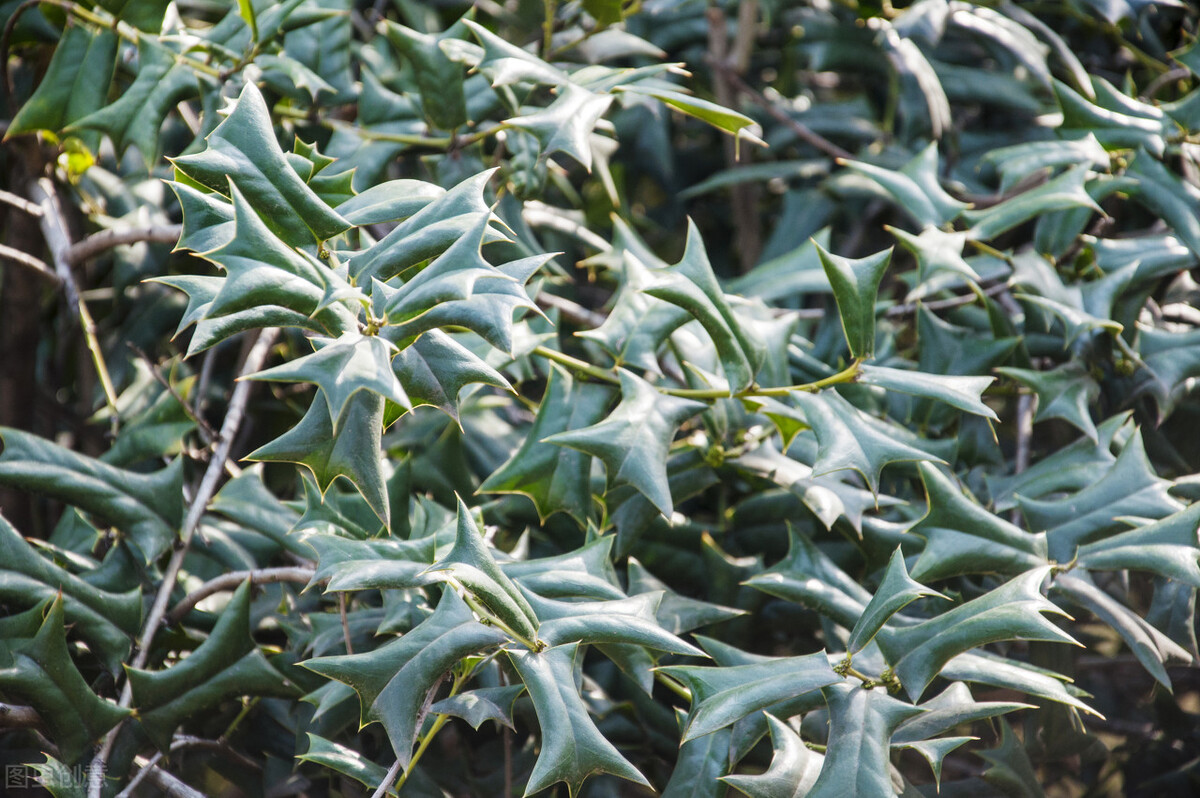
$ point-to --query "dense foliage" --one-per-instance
(734, 398)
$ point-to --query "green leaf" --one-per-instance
(630, 621)
(915, 188)
(1011, 771)
(691, 285)
(505, 63)
(861, 723)
(720, 117)
(585, 572)
(58, 779)
(1111, 127)
(104, 619)
(962, 392)
(246, 11)
(634, 440)
(572, 747)
(352, 453)
(855, 286)
(794, 767)
(566, 124)
(145, 15)
(983, 668)
(390, 201)
(1009, 612)
(1176, 201)
(481, 705)
(1065, 191)
(373, 564)
(676, 613)
(148, 508)
(723, 695)
(961, 537)
(75, 85)
(393, 681)
(225, 665)
(895, 592)
(439, 80)
(848, 438)
(39, 671)
(1130, 488)
(137, 116)
(244, 153)
(555, 478)
(435, 369)
(938, 253)
(346, 761)
(605, 12)
(1065, 392)
(1167, 547)
(341, 368)
(1019, 161)
(699, 766)
(470, 565)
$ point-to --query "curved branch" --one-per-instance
(105, 240)
(229, 581)
(15, 716)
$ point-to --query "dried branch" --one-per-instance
(15, 716)
(229, 581)
(206, 431)
(105, 240)
(20, 203)
(25, 259)
(571, 311)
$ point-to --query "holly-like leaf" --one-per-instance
(861, 723)
(148, 508)
(938, 253)
(848, 438)
(915, 188)
(1065, 392)
(1063, 192)
(470, 566)
(855, 284)
(723, 695)
(393, 680)
(555, 478)
(505, 63)
(481, 705)
(243, 152)
(566, 124)
(691, 285)
(794, 767)
(439, 79)
(585, 572)
(226, 664)
(895, 592)
(137, 116)
(1011, 771)
(961, 537)
(572, 747)
(39, 672)
(1130, 488)
(341, 368)
(104, 619)
(676, 613)
(699, 766)
(1176, 201)
(372, 564)
(435, 368)
(1009, 612)
(981, 667)
(965, 393)
(722, 118)
(1112, 127)
(352, 453)
(1168, 547)
(634, 440)
(630, 621)
(76, 82)
(341, 759)
(390, 201)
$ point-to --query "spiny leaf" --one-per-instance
(629, 621)
(981, 667)
(227, 664)
(340, 368)
(243, 151)
(962, 537)
(855, 286)
(470, 565)
(1065, 392)
(439, 79)
(505, 63)
(896, 591)
(373, 564)
(722, 118)
(849, 438)
(481, 705)
(75, 85)
(861, 723)
(585, 572)
(39, 671)
(937, 253)
(1065, 191)
(341, 759)
(1009, 612)
(691, 285)
(1168, 547)
(634, 440)
(148, 508)
(435, 369)
(566, 124)
(794, 767)
(555, 478)
(965, 393)
(1011, 770)
(723, 695)
(915, 187)
(699, 765)
(572, 747)
(1176, 201)
(352, 453)
(393, 680)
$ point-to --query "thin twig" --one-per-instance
(571, 311)
(105, 240)
(208, 485)
(144, 771)
(25, 259)
(20, 203)
(944, 304)
(58, 240)
(170, 785)
(206, 431)
(345, 622)
(392, 773)
(15, 716)
(229, 581)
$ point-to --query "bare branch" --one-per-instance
(105, 240)
(25, 259)
(571, 311)
(15, 716)
(20, 203)
(229, 581)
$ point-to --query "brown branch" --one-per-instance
(944, 304)
(20, 203)
(573, 312)
(229, 581)
(15, 716)
(105, 240)
(206, 431)
(25, 259)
